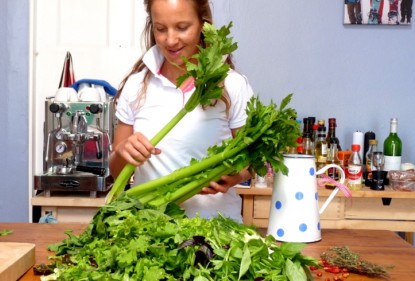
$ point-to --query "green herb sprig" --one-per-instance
(5, 232)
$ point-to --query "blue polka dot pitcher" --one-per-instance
(295, 213)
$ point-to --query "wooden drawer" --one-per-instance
(373, 208)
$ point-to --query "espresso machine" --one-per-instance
(77, 145)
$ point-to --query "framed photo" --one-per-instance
(395, 12)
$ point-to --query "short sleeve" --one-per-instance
(240, 92)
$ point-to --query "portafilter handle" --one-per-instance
(94, 170)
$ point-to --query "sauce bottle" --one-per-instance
(354, 169)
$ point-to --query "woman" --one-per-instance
(148, 98)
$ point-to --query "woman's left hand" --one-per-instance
(226, 182)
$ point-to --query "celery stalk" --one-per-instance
(128, 170)
(191, 188)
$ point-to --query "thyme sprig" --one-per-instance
(343, 257)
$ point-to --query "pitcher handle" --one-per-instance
(334, 192)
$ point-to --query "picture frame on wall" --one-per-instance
(376, 12)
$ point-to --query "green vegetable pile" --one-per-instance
(126, 241)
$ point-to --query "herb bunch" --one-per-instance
(343, 257)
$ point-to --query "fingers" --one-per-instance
(225, 182)
(137, 149)
(215, 187)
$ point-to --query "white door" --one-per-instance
(103, 37)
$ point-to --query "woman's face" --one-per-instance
(176, 28)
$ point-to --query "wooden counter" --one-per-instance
(377, 246)
(365, 210)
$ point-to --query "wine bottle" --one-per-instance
(321, 145)
(392, 148)
(331, 136)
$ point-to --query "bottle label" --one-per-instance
(392, 163)
(324, 148)
(354, 173)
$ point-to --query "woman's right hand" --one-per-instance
(129, 147)
(136, 149)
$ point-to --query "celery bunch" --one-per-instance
(267, 133)
(209, 71)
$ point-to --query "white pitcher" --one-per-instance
(295, 213)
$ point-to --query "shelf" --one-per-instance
(69, 200)
(366, 192)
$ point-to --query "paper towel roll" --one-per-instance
(359, 138)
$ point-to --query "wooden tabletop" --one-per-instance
(377, 246)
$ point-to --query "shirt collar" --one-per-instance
(153, 59)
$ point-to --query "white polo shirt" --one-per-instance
(191, 137)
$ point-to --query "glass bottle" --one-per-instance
(354, 169)
(307, 147)
(321, 146)
(332, 158)
(373, 146)
(331, 135)
(392, 148)
(313, 139)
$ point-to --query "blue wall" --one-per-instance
(362, 75)
(14, 83)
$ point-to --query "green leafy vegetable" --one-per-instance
(5, 232)
(132, 243)
(266, 135)
(209, 71)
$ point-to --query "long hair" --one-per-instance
(204, 13)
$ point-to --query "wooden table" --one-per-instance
(378, 246)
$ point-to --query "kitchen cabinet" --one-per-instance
(69, 207)
(367, 209)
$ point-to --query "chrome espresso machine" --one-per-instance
(77, 145)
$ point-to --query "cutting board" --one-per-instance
(15, 259)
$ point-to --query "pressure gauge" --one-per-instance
(60, 147)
